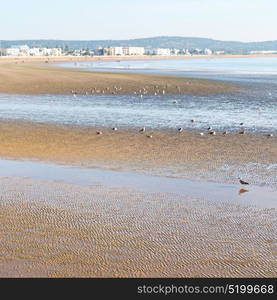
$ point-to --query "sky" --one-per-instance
(241, 20)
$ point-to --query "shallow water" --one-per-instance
(251, 195)
(248, 69)
(256, 106)
(239, 65)
(258, 112)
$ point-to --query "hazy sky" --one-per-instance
(244, 20)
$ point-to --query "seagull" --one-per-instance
(142, 129)
(192, 121)
(99, 132)
(180, 129)
(225, 132)
(212, 132)
(114, 129)
(149, 136)
(210, 128)
(243, 182)
(201, 133)
(270, 135)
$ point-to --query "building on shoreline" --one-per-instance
(123, 51)
(264, 52)
(162, 51)
(24, 50)
(27, 51)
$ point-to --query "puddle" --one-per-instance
(252, 195)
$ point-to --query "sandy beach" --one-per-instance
(37, 79)
(54, 229)
(183, 154)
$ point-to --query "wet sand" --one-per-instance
(215, 158)
(24, 78)
(68, 58)
(50, 228)
(54, 229)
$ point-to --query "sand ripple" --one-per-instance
(56, 229)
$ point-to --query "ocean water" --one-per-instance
(239, 66)
(256, 106)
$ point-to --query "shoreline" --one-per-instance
(53, 59)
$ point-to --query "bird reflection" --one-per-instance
(242, 191)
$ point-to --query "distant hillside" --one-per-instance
(153, 42)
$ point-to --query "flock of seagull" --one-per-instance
(180, 129)
(154, 89)
(210, 131)
(158, 91)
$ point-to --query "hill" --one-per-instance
(153, 42)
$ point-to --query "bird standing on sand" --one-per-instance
(243, 182)
(149, 136)
(180, 129)
(142, 129)
(212, 133)
(99, 132)
(114, 129)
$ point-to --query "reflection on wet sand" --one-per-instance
(243, 191)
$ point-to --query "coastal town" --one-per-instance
(26, 51)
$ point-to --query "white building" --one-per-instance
(56, 51)
(208, 51)
(174, 51)
(114, 51)
(162, 51)
(26, 51)
(264, 52)
(12, 51)
(187, 52)
(120, 51)
(133, 50)
(219, 52)
(35, 52)
(18, 51)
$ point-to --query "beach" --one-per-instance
(37, 79)
(54, 229)
(168, 151)
(80, 199)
